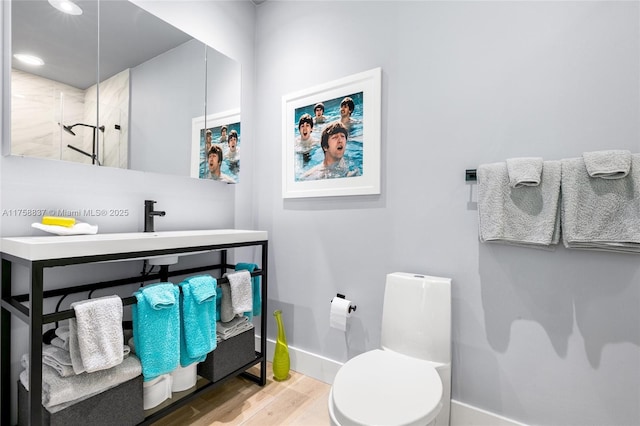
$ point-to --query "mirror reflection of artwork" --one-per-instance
(220, 153)
(328, 139)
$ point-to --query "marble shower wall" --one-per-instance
(39, 104)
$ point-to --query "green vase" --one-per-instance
(281, 353)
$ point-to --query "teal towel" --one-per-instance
(156, 328)
(255, 281)
(218, 306)
(198, 319)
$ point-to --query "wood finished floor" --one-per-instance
(300, 400)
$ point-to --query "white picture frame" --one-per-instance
(200, 125)
(363, 177)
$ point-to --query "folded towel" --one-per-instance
(611, 164)
(600, 214)
(60, 221)
(156, 328)
(524, 171)
(80, 228)
(255, 283)
(58, 390)
(241, 291)
(525, 216)
(59, 360)
(237, 325)
(62, 337)
(99, 332)
(198, 319)
(226, 307)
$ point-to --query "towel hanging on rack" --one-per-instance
(525, 216)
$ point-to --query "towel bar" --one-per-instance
(470, 175)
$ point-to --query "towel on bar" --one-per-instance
(237, 325)
(524, 171)
(610, 164)
(156, 328)
(226, 307)
(198, 319)
(526, 216)
(58, 392)
(255, 284)
(241, 291)
(98, 325)
(600, 214)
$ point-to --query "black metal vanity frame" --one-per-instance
(35, 317)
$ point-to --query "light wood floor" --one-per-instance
(300, 400)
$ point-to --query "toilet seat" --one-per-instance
(386, 388)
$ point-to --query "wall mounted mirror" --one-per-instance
(119, 87)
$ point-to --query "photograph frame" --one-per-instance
(209, 121)
(368, 83)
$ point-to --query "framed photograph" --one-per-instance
(215, 147)
(331, 138)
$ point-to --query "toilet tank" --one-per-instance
(416, 316)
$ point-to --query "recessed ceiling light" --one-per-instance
(28, 59)
(66, 6)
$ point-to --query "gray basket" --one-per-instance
(230, 355)
(118, 406)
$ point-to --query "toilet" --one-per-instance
(408, 381)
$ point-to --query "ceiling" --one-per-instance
(128, 36)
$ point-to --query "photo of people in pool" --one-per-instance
(220, 153)
(328, 139)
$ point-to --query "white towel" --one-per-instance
(58, 391)
(525, 216)
(524, 171)
(98, 324)
(600, 214)
(610, 164)
(241, 291)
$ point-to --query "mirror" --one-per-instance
(119, 87)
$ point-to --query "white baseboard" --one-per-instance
(325, 369)
(467, 415)
(312, 365)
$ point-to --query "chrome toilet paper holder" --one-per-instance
(351, 307)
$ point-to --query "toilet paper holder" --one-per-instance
(351, 307)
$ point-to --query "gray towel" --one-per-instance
(525, 216)
(241, 291)
(226, 308)
(98, 324)
(239, 324)
(524, 171)
(611, 164)
(57, 391)
(600, 214)
(59, 360)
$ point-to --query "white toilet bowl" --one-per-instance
(385, 388)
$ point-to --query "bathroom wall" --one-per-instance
(540, 337)
(29, 183)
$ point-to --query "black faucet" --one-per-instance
(149, 213)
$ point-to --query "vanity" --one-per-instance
(39, 254)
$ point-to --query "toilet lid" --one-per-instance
(386, 388)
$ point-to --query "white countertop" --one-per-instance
(61, 247)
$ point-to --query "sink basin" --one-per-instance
(61, 247)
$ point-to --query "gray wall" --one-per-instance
(540, 337)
